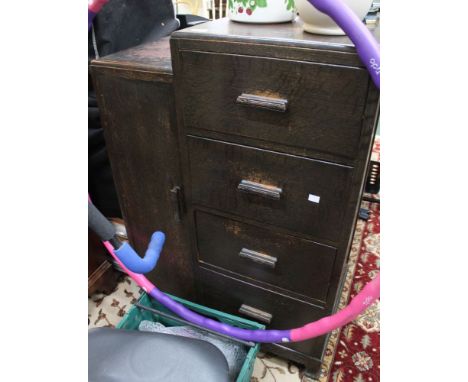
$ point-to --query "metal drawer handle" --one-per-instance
(258, 257)
(261, 102)
(256, 314)
(264, 190)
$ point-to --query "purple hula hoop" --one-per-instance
(243, 334)
(366, 47)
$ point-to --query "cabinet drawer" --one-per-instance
(274, 310)
(299, 104)
(299, 194)
(265, 256)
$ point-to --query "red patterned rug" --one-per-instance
(357, 354)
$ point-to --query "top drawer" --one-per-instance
(306, 105)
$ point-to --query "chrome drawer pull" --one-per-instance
(261, 102)
(258, 257)
(256, 314)
(264, 190)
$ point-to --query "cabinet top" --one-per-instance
(152, 60)
(285, 34)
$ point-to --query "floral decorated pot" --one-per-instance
(317, 22)
(261, 11)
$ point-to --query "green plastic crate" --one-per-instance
(135, 315)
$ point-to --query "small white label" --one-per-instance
(314, 198)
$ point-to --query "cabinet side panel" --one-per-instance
(138, 117)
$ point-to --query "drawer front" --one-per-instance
(274, 310)
(264, 256)
(306, 105)
(299, 194)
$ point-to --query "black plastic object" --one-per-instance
(99, 224)
(122, 24)
(190, 20)
(132, 356)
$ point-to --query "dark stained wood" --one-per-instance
(217, 168)
(138, 120)
(324, 103)
(220, 242)
(228, 183)
(151, 61)
(286, 41)
(286, 34)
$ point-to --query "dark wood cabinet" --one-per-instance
(136, 99)
(248, 145)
